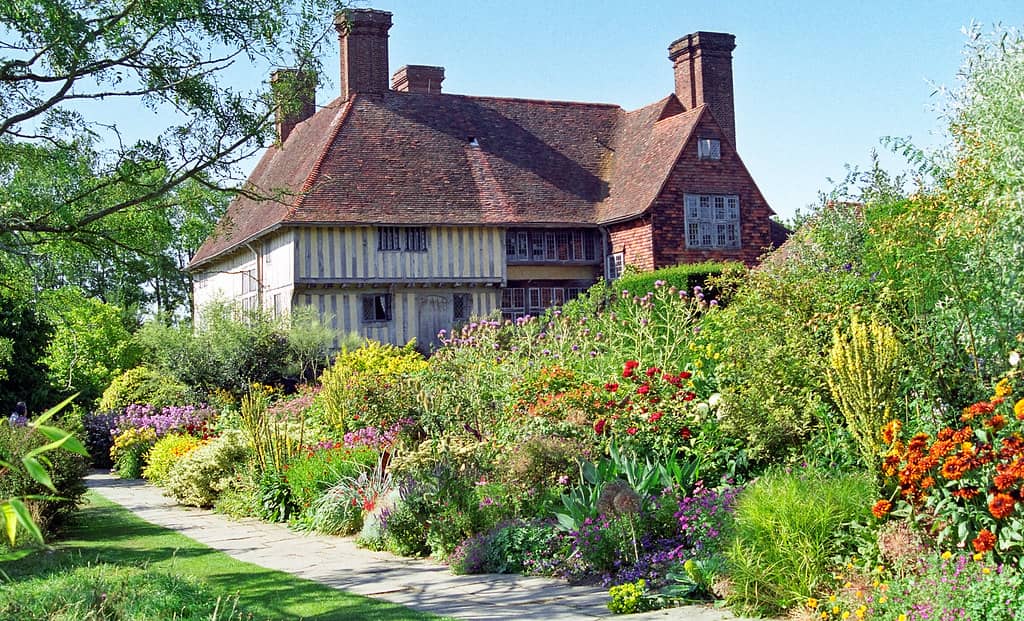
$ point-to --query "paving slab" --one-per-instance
(417, 583)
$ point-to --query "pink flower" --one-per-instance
(632, 431)
(643, 389)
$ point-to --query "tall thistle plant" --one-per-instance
(863, 377)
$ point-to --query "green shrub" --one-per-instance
(108, 592)
(165, 453)
(228, 349)
(130, 450)
(142, 385)
(788, 530)
(405, 532)
(683, 277)
(201, 475)
(66, 470)
(370, 386)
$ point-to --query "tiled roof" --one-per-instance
(414, 159)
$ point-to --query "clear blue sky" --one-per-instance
(817, 83)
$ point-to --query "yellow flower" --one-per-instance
(846, 614)
(1018, 410)
(835, 610)
(978, 556)
(947, 555)
(832, 598)
(1003, 388)
(812, 603)
(883, 599)
(902, 617)
(876, 583)
(824, 615)
(859, 594)
(986, 570)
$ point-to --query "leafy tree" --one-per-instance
(91, 201)
(90, 345)
(25, 331)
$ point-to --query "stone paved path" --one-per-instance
(337, 562)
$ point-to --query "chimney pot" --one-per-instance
(703, 70)
(363, 39)
(294, 99)
(418, 79)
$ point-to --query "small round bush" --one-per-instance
(167, 451)
(197, 478)
(142, 385)
(130, 450)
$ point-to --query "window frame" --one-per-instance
(712, 221)
(388, 307)
(389, 238)
(415, 239)
(709, 149)
(614, 266)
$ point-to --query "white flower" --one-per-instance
(1014, 358)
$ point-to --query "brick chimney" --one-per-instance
(363, 38)
(703, 67)
(418, 79)
(294, 99)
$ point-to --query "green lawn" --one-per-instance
(108, 533)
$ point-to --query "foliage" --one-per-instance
(99, 437)
(141, 385)
(25, 331)
(863, 376)
(683, 277)
(81, 192)
(505, 548)
(370, 385)
(938, 586)
(787, 530)
(130, 450)
(165, 453)
(90, 345)
(309, 343)
(37, 461)
(965, 485)
(269, 435)
(106, 591)
(198, 477)
(312, 472)
(770, 338)
(226, 349)
(630, 598)
(340, 509)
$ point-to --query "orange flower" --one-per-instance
(985, 541)
(891, 465)
(954, 468)
(1004, 482)
(881, 508)
(997, 422)
(982, 408)
(891, 431)
(1001, 505)
(1018, 410)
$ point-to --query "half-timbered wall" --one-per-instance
(342, 309)
(225, 280)
(351, 255)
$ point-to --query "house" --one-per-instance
(398, 210)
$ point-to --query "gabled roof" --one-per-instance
(416, 159)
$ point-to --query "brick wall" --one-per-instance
(635, 241)
(693, 176)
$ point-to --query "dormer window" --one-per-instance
(473, 142)
(709, 149)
